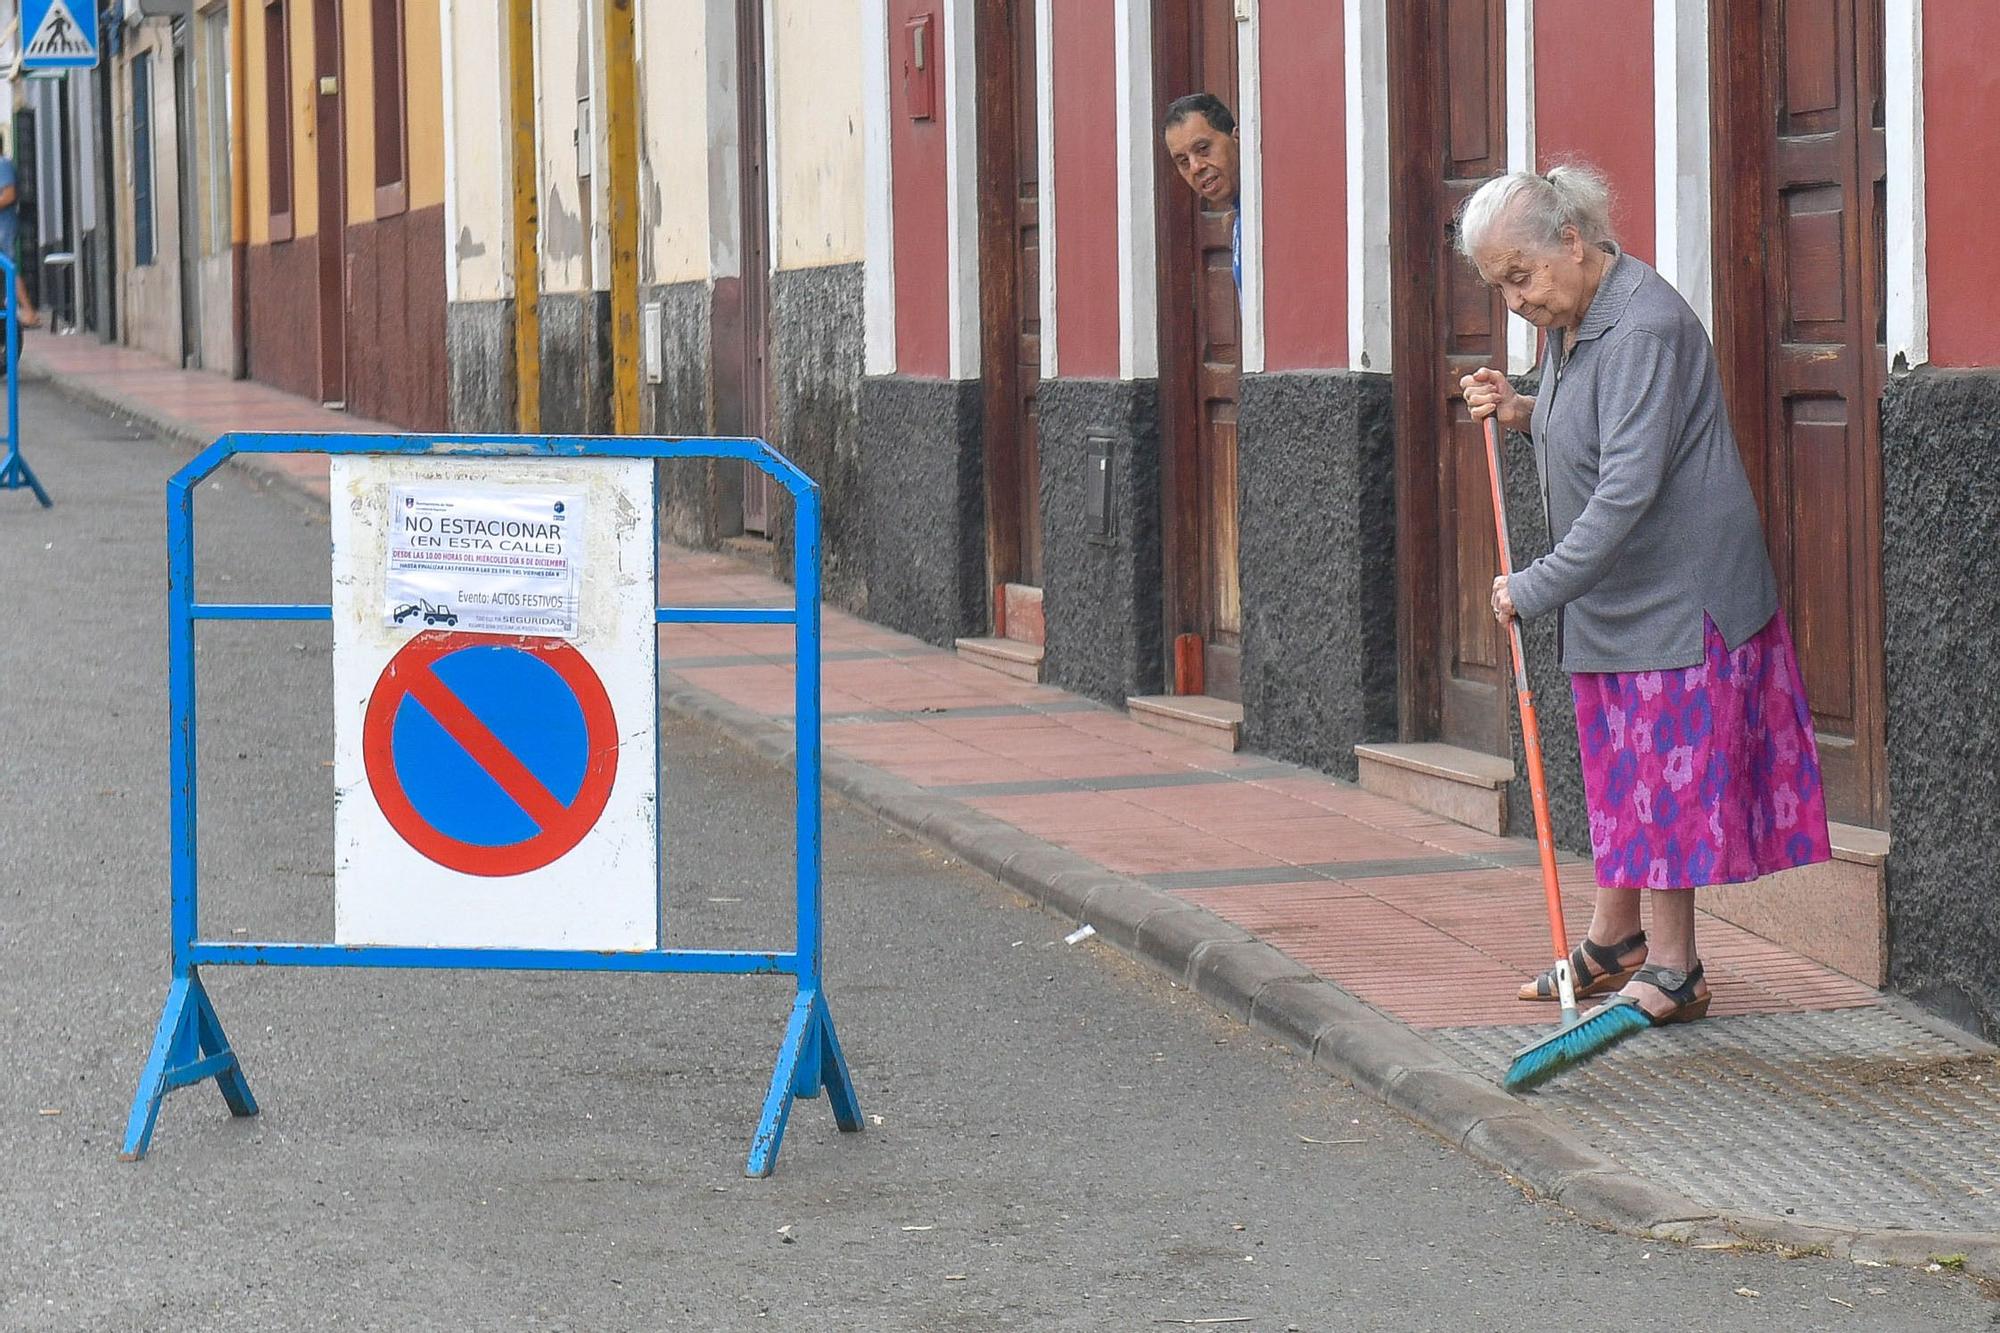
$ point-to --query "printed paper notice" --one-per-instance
(485, 561)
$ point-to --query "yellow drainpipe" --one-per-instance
(621, 87)
(527, 217)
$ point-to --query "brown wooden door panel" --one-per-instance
(1010, 276)
(1817, 201)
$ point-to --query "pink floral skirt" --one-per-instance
(1702, 775)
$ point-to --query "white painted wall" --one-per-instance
(1683, 188)
(1138, 150)
(673, 42)
(478, 150)
(1249, 129)
(813, 55)
(1370, 333)
(879, 274)
(961, 172)
(1521, 335)
(1908, 311)
(562, 75)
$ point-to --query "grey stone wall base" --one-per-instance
(576, 363)
(1334, 1030)
(1101, 593)
(479, 356)
(1317, 518)
(923, 485)
(1941, 590)
(700, 500)
(816, 350)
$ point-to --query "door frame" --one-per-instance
(330, 166)
(1416, 140)
(1183, 601)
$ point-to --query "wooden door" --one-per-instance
(755, 213)
(1447, 142)
(1010, 288)
(1202, 366)
(1802, 185)
(327, 135)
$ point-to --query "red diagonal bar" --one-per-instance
(487, 750)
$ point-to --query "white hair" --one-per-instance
(1533, 210)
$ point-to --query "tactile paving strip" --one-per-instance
(1858, 1117)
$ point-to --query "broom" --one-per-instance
(1576, 1039)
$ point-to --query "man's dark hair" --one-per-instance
(1206, 105)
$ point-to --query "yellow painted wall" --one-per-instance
(483, 248)
(305, 175)
(357, 107)
(813, 50)
(673, 147)
(423, 55)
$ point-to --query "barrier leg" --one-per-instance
(808, 1060)
(188, 1046)
(15, 473)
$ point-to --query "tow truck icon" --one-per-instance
(432, 613)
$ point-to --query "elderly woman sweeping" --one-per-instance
(1699, 761)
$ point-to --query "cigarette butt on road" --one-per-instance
(1079, 935)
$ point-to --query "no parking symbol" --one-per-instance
(490, 756)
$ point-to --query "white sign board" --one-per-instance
(486, 559)
(496, 789)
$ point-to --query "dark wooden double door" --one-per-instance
(1798, 299)
(1199, 336)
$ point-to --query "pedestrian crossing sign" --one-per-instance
(59, 36)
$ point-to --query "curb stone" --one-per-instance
(1249, 980)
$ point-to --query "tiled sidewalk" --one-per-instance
(1431, 922)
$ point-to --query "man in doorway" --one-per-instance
(1201, 139)
(10, 229)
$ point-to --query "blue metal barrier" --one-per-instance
(190, 1045)
(14, 470)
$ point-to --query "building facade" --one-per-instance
(934, 251)
(341, 222)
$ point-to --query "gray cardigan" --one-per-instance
(1643, 488)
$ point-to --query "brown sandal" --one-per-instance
(1607, 975)
(1677, 986)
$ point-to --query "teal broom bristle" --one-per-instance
(1537, 1064)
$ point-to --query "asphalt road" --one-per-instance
(1057, 1139)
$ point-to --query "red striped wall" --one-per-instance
(1085, 138)
(1594, 100)
(917, 201)
(1304, 159)
(1961, 112)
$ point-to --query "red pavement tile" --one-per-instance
(1159, 851)
(1070, 812)
(1217, 806)
(1328, 838)
(959, 773)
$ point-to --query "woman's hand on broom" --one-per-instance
(1490, 394)
(1503, 601)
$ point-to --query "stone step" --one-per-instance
(1019, 608)
(1199, 717)
(1835, 913)
(1463, 785)
(1022, 661)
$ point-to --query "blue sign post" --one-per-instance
(189, 1044)
(58, 34)
(14, 470)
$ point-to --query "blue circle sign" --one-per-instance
(490, 755)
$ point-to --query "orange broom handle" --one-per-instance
(1531, 732)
